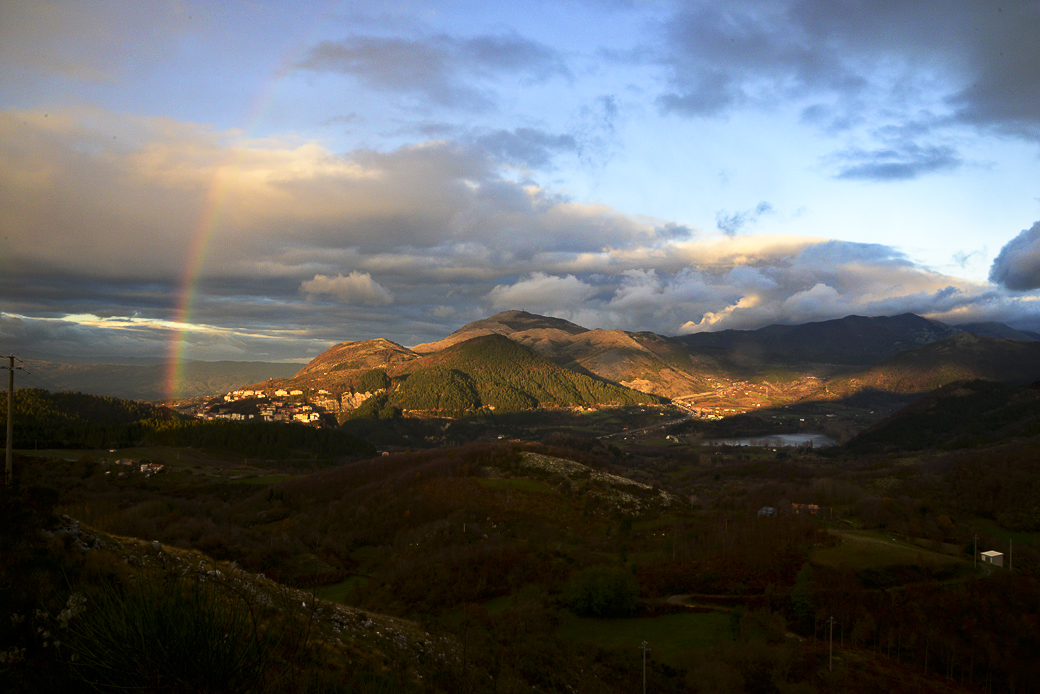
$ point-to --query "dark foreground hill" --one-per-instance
(961, 357)
(508, 568)
(962, 414)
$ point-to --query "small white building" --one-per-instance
(994, 558)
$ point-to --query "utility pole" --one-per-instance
(975, 551)
(645, 648)
(1011, 555)
(9, 476)
(830, 657)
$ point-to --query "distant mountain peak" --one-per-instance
(364, 354)
(507, 322)
(512, 324)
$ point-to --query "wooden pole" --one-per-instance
(9, 476)
(830, 657)
(645, 649)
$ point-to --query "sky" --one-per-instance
(254, 180)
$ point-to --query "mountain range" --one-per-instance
(905, 353)
(506, 362)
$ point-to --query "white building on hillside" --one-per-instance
(994, 558)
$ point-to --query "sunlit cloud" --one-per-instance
(357, 287)
(541, 291)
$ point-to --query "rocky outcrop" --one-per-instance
(352, 401)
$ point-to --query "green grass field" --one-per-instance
(669, 637)
(860, 549)
(990, 527)
(338, 592)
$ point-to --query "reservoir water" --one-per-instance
(776, 440)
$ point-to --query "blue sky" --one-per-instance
(297, 176)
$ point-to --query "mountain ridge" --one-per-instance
(729, 371)
(777, 364)
(853, 340)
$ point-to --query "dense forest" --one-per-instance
(494, 372)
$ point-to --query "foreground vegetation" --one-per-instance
(533, 566)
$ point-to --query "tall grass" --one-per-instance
(173, 634)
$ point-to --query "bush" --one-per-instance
(603, 591)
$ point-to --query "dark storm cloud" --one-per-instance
(39, 291)
(440, 68)
(853, 62)
(726, 56)
(1017, 267)
(1004, 86)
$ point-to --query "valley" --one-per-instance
(479, 516)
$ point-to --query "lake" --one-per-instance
(776, 440)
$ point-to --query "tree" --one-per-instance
(603, 591)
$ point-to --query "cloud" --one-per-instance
(355, 288)
(525, 147)
(442, 69)
(1002, 85)
(905, 161)
(732, 223)
(818, 303)
(1017, 266)
(721, 57)
(97, 51)
(712, 320)
(280, 241)
(857, 71)
(541, 292)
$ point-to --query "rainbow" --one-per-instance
(209, 220)
(201, 237)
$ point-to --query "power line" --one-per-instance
(48, 383)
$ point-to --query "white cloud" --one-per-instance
(355, 288)
(819, 303)
(541, 292)
(714, 320)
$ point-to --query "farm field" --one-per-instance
(669, 636)
(859, 549)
